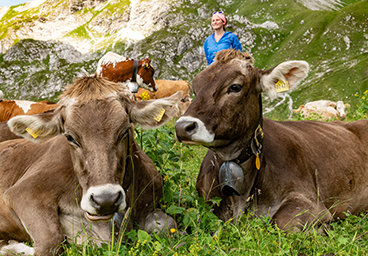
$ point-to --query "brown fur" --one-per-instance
(122, 71)
(226, 56)
(311, 172)
(48, 188)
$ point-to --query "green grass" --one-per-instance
(200, 232)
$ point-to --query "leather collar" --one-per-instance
(135, 71)
(254, 146)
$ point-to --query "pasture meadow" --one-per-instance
(200, 232)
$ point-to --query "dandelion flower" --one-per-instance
(172, 230)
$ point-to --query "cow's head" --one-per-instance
(340, 107)
(226, 111)
(145, 74)
(95, 116)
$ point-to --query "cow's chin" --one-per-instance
(191, 143)
(97, 218)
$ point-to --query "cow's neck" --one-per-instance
(254, 146)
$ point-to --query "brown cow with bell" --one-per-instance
(296, 172)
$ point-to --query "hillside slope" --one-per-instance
(67, 37)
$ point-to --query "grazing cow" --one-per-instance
(117, 68)
(296, 172)
(11, 108)
(325, 113)
(71, 185)
(165, 88)
(322, 104)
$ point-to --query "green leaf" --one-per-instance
(143, 236)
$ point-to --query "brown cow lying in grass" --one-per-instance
(296, 172)
(70, 186)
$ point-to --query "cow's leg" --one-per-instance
(297, 210)
(143, 185)
(38, 211)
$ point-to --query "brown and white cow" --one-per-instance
(60, 185)
(296, 172)
(165, 88)
(117, 68)
(11, 108)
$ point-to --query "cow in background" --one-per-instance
(165, 88)
(70, 186)
(325, 113)
(117, 68)
(298, 173)
(11, 108)
(323, 106)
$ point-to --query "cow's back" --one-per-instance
(166, 88)
(306, 154)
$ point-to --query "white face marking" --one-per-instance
(109, 58)
(99, 190)
(201, 134)
(341, 108)
(24, 105)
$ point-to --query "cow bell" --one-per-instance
(231, 178)
(133, 87)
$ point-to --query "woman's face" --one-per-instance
(216, 22)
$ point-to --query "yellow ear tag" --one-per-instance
(258, 162)
(160, 115)
(281, 86)
(33, 134)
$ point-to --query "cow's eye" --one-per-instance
(71, 139)
(234, 88)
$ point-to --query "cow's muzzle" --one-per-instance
(102, 202)
(231, 178)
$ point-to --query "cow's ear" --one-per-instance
(152, 114)
(38, 127)
(146, 63)
(332, 104)
(284, 77)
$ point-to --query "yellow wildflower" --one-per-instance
(172, 230)
(144, 96)
(363, 98)
(166, 178)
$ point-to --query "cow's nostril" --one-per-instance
(106, 200)
(191, 127)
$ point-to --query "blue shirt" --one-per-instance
(227, 41)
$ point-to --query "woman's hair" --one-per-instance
(221, 15)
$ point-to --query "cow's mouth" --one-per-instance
(95, 217)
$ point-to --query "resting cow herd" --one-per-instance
(289, 170)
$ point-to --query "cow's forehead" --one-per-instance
(107, 116)
(221, 73)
